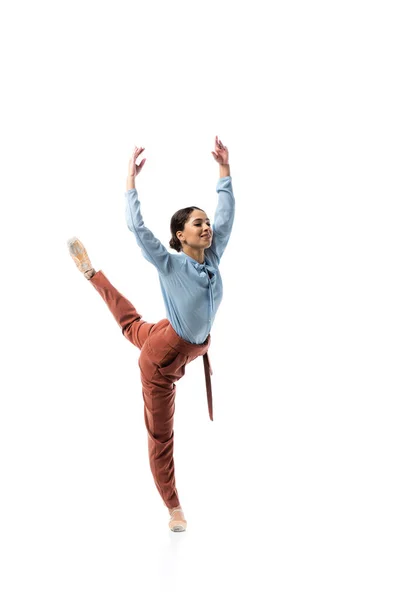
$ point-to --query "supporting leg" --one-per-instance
(159, 408)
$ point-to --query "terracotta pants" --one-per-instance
(164, 355)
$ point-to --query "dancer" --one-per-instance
(191, 286)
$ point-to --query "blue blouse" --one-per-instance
(192, 291)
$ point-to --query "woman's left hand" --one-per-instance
(221, 153)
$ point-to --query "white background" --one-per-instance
(292, 492)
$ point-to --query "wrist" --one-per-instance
(130, 183)
(224, 170)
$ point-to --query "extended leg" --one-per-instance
(133, 327)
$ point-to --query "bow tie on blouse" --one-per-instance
(205, 269)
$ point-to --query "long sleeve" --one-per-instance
(152, 249)
(224, 216)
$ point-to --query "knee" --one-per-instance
(130, 334)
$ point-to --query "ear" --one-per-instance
(180, 236)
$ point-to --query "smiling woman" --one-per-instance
(189, 226)
(191, 286)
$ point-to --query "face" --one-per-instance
(197, 232)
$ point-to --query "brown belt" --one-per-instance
(208, 372)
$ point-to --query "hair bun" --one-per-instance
(175, 244)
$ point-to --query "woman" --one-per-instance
(192, 290)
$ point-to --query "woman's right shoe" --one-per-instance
(80, 256)
(177, 521)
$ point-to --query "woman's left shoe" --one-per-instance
(177, 521)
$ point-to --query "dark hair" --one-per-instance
(178, 221)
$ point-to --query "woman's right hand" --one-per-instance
(133, 168)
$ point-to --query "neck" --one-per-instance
(194, 253)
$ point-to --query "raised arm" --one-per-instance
(151, 247)
(225, 211)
